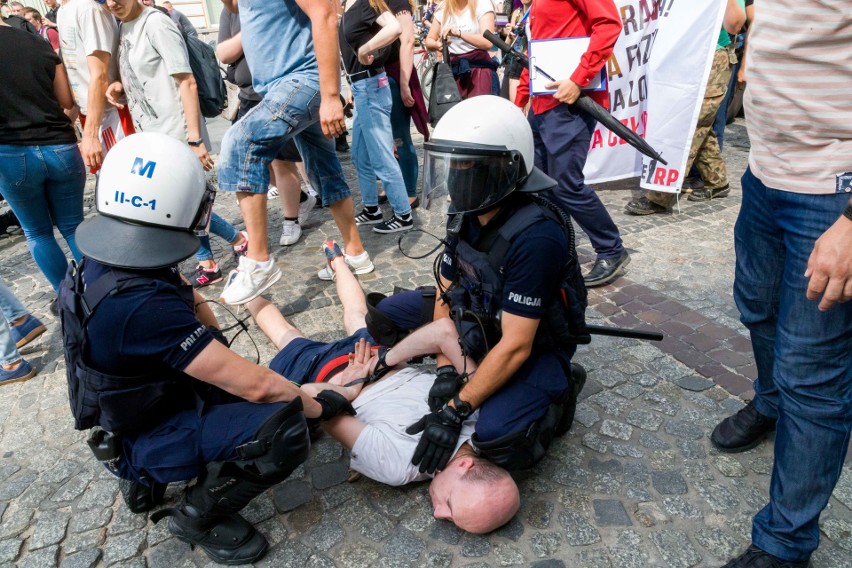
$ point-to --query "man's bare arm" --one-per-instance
(90, 147)
(324, 32)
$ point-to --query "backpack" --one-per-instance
(212, 94)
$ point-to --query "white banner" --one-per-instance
(657, 76)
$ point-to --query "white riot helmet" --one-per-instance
(152, 196)
(481, 151)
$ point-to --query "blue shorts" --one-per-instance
(289, 111)
(305, 360)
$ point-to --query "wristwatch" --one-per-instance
(196, 143)
(462, 408)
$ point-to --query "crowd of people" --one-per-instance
(150, 373)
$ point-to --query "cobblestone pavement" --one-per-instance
(635, 483)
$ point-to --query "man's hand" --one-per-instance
(331, 117)
(741, 76)
(114, 93)
(360, 362)
(92, 151)
(203, 156)
(447, 384)
(830, 266)
(567, 91)
(441, 431)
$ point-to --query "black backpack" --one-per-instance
(212, 94)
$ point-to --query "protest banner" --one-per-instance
(657, 75)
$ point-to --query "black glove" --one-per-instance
(333, 403)
(441, 430)
(446, 385)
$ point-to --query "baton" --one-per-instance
(586, 105)
(622, 332)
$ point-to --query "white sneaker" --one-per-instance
(360, 264)
(306, 207)
(290, 233)
(272, 192)
(249, 281)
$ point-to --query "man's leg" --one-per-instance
(813, 374)
(351, 296)
(272, 322)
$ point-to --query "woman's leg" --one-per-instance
(23, 179)
(360, 155)
(401, 128)
(65, 184)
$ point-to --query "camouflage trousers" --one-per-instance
(705, 152)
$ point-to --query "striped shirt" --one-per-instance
(799, 97)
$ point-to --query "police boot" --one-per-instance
(209, 517)
(569, 407)
(139, 497)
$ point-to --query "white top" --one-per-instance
(798, 103)
(463, 23)
(151, 50)
(383, 450)
(84, 28)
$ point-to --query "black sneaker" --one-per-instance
(8, 220)
(141, 498)
(642, 206)
(605, 270)
(742, 431)
(365, 217)
(395, 224)
(569, 407)
(705, 194)
(754, 557)
(341, 144)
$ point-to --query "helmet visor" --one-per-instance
(475, 178)
(201, 225)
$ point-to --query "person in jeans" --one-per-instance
(161, 94)
(366, 27)
(42, 175)
(299, 80)
(19, 329)
(793, 279)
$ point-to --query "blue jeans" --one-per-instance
(12, 309)
(44, 187)
(803, 359)
(290, 109)
(220, 228)
(401, 129)
(372, 144)
(561, 138)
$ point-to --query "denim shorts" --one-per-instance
(289, 111)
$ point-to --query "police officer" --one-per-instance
(165, 400)
(510, 281)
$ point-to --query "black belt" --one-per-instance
(365, 74)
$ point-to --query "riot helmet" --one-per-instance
(481, 151)
(152, 197)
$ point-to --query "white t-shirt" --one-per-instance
(84, 28)
(383, 450)
(463, 23)
(151, 50)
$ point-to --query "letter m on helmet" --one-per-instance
(143, 168)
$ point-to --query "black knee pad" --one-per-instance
(522, 449)
(280, 445)
(381, 327)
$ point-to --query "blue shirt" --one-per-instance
(277, 43)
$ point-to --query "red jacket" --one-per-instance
(551, 19)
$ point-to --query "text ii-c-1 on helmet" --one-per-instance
(481, 151)
(152, 197)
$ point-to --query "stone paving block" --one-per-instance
(719, 543)
(595, 558)
(616, 430)
(474, 545)
(586, 415)
(9, 549)
(41, 558)
(694, 383)
(629, 391)
(610, 513)
(85, 559)
(679, 507)
(719, 497)
(122, 547)
(49, 530)
(644, 419)
(327, 535)
(728, 466)
(74, 543)
(675, 548)
(595, 442)
(537, 513)
(627, 551)
(508, 555)
(669, 483)
(682, 429)
(733, 383)
(287, 553)
(649, 514)
(545, 544)
(843, 489)
(691, 450)
(578, 531)
(291, 494)
(168, 553)
(839, 531)
(513, 530)
(446, 532)
(652, 442)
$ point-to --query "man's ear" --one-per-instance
(465, 463)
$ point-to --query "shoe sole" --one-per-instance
(362, 270)
(739, 449)
(642, 212)
(256, 294)
(720, 195)
(371, 222)
(30, 336)
(389, 231)
(616, 274)
(198, 285)
(26, 377)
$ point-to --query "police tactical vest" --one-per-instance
(477, 292)
(127, 404)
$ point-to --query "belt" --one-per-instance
(365, 74)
